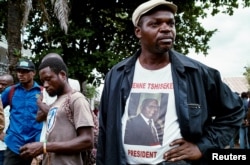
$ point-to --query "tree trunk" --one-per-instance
(14, 34)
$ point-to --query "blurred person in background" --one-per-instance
(5, 81)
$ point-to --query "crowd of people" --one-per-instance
(242, 138)
(54, 124)
(158, 106)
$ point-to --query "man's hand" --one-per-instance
(31, 150)
(42, 110)
(184, 150)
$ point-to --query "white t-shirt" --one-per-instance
(74, 84)
(156, 85)
(7, 121)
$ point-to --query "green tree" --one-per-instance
(101, 34)
(90, 91)
(247, 75)
(16, 19)
(13, 34)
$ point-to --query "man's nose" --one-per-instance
(45, 84)
(165, 27)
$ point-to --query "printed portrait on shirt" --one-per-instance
(146, 118)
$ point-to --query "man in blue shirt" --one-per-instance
(23, 127)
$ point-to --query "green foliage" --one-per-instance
(102, 34)
(91, 91)
(17, 53)
(247, 75)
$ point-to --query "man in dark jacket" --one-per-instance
(198, 111)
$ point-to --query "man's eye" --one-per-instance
(155, 24)
(172, 24)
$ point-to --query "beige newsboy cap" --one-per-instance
(149, 5)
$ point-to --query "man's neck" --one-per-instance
(153, 62)
(28, 85)
(67, 90)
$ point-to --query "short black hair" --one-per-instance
(55, 64)
(244, 95)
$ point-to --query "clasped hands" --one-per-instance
(31, 150)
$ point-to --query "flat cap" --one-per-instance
(149, 5)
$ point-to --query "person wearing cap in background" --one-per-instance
(22, 99)
(196, 109)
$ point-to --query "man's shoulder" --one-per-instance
(36, 85)
(76, 95)
(136, 118)
(187, 61)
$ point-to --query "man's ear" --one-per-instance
(63, 74)
(138, 32)
(34, 73)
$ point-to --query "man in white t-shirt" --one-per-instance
(196, 111)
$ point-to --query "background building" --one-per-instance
(237, 84)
